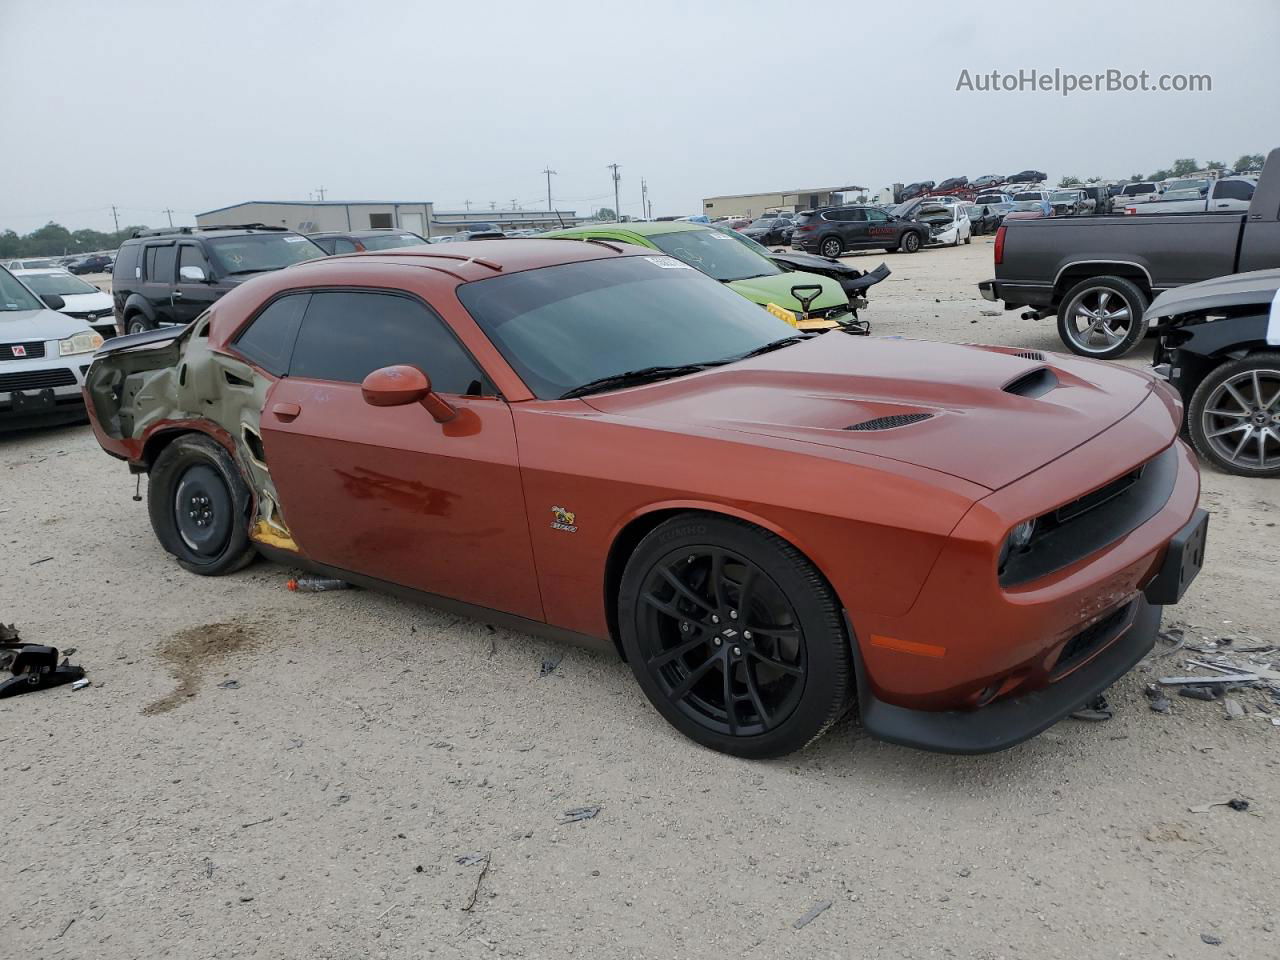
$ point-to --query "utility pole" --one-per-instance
(550, 173)
(515, 204)
(644, 198)
(467, 204)
(493, 205)
(116, 217)
(169, 213)
(320, 192)
(614, 167)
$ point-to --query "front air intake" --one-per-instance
(888, 423)
(1035, 355)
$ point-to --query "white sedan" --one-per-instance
(80, 299)
(43, 358)
(948, 224)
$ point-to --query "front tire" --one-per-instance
(734, 636)
(831, 247)
(200, 506)
(138, 323)
(1234, 416)
(1102, 317)
(910, 242)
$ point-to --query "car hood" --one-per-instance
(81, 302)
(777, 289)
(811, 262)
(18, 325)
(1257, 287)
(976, 412)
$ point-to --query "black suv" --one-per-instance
(354, 241)
(173, 275)
(834, 230)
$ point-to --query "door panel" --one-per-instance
(191, 299)
(390, 493)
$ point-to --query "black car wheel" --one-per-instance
(199, 506)
(734, 636)
(1234, 416)
(138, 323)
(1102, 317)
(831, 247)
(910, 242)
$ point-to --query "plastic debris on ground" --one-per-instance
(1241, 671)
(578, 813)
(812, 914)
(316, 584)
(34, 666)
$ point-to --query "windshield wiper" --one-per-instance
(236, 273)
(631, 378)
(768, 347)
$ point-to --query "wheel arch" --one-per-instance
(164, 434)
(640, 523)
(1072, 273)
(137, 303)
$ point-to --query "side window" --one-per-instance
(877, 216)
(126, 265)
(160, 263)
(343, 246)
(346, 336)
(379, 220)
(327, 244)
(268, 340)
(190, 255)
(1234, 190)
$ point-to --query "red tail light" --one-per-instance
(805, 228)
(999, 251)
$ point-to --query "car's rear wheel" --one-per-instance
(1234, 416)
(831, 247)
(1102, 317)
(734, 636)
(199, 506)
(910, 242)
(138, 323)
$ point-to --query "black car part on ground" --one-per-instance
(34, 666)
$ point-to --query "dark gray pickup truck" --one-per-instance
(1100, 273)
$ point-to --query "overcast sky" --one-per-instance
(191, 106)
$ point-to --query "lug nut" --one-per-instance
(717, 641)
(746, 634)
(737, 651)
(733, 614)
(714, 618)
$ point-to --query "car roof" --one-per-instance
(641, 228)
(210, 234)
(31, 271)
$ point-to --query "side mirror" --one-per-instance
(192, 274)
(53, 301)
(403, 384)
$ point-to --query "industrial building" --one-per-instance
(418, 216)
(755, 204)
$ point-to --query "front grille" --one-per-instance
(34, 350)
(1092, 637)
(888, 423)
(37, 379)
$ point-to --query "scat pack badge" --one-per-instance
(563, 519)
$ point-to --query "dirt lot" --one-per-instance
(316, 807)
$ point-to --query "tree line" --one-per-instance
(55, 240)
(1183, 167)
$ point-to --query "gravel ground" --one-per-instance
(318, 805)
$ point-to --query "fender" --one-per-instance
(136, 303)
(1244, 333)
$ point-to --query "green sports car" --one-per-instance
(819, 303)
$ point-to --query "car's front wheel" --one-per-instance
(138, 323)
(734, 636)
(200, 505)
(1102, 317)
(1234, 416)
(910, 242)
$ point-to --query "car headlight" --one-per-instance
(1016, 541)
(86, 342)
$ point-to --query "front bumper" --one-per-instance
(42, 391)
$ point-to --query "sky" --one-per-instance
(155, 105)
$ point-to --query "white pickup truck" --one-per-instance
(1228, 193)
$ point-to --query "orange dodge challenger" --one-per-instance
(587, 440)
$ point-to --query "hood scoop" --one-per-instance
(888, 423)
(1035, 355)
(1034, 384)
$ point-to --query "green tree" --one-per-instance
(1184, 166)
(1068, 181)
(1215, 165)
(1249, 161)
(1160, 175)
(1094, 180)
(1135, 177)
(606, 213)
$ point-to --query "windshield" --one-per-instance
(390, 241)
(1027, 205)
(261, 251)
(63, 284)
(764, 222)
(714, 253)
(1133, 188)
(990, 198)
(14, 296)
(561, 327)
(935, 211)
(1032, 195)
(1066, 195)
(1187, 185)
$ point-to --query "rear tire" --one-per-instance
(1239, 396)
(1110, 310)
(200, 506)
(831, 247)
(734, 636)
(137, 323)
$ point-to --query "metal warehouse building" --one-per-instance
(313, 217)
(418, 216)
(754, 204)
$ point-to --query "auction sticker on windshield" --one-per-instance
(294, 239)
(668, 263)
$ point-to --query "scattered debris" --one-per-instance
(65, 929)
(34, 666)
(1222, 678)
(812, 914)
(990, 313)
(1212, 939)
(1161, 705)
(388, 910)
(475, 893)
(79, 684)
(208, 869)
(1235, 709)
(470, 859)
(316, 584)
(1235, 803)
(1095, 711)
(229, 685)
(578, 813)
(1174, 639)
(40, 561)
(1200, 693)
(549, 665)
(246, 826)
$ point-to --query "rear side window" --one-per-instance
(343, 246)
(126, 266)
(160, 262)
(268, 340)
(346, 336)
(1234, 190)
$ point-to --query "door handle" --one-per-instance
(286, 411)
(177, 293)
